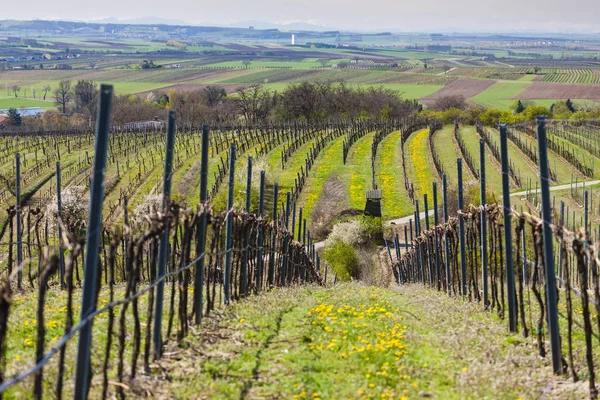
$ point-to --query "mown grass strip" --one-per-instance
(359, 167)
(390, 178)
(420, 169)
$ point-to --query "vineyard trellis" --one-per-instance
(491, 233)
(221, 256)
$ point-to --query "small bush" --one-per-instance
(373, 227)
(75, 205)
(343, 259)
(350, 232)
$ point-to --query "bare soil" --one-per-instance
(547, 90)
(461, 87)
(331, 203)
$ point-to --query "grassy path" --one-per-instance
(390, 178)
(493, 175)
(563, 169)
(522, 164)
(420, 167)
(442, 141)
(327, 165)
(581, 154)
(359, 167)
(356, 341)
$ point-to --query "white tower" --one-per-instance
(293, 39)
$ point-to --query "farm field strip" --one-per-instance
(500, 91)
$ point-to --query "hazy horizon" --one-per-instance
(378, 15)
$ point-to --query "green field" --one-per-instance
(500, 94)
(8, 102)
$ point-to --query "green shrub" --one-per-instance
(343, 259)
(373, 226)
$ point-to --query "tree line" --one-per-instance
(77, 102)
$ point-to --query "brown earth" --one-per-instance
(331, 203)
(547, 90)
(461, 87)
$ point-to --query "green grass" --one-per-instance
(390, 178)
(328, 164)
(24, 103)
(500, 94)
(522, 165)
(564, 171)
(444, 148)
(359, 168)
(356, 341)
(413, 91)
(493, 177)
(420, 169)
(528, 78)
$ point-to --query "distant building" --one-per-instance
(293, 39)
(148, 125)
(3, 119)
(27, 112)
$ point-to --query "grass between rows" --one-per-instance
(390, 178)
(419, 166)
(355, 341)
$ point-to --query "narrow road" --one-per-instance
(554, 188)
(408, 218)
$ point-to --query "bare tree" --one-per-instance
(214, 95)
(16, 89)
(246, 63)
(256, 103)
(63, 95)
(302, 100)
(86, 98)
(46, 89)
(447, 102)
(33, 91)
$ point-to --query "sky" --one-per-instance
(578, 16)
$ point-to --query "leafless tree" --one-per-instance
(214, 95)
(16, 89)
(63, 95)
(46, 89)
(256, 103)
(451, 101)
